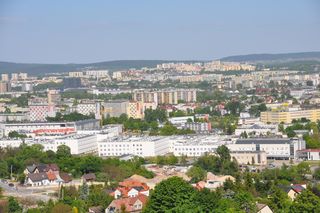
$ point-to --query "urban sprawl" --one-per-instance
(112, 140)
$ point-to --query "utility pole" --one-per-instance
(11, 172)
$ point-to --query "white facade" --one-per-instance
(140, 146)
(278, 148)
(196, 145)
(78, 144)
(13, 143)
(180, 120)
(257, 129)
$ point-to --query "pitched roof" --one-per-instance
(89, 176)
(36, 177)
(128, 203)
(65, 177)
(31, 168)
(51, 176)
(53, 167)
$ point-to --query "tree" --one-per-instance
(13, 205)
(169, 194)
(303, 169)
(63, 151)
(280, 202)
(15, 134)
(223, 153)
(316, 174)
(196, 174)
(306, 201)
(3, 169)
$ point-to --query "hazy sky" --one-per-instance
(65, 31)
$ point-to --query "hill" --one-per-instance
(274, 58)
(36, 69)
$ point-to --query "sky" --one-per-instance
(84, 31)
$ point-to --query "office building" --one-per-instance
(286, 116)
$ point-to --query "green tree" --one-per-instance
(61, 207)
(303, 169)
(4, 169)
(13, 205)
(306, 201)
(168, 194)
(63, 151)
(196, 174)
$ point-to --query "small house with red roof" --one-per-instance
(130, 188)
(128, 204)
(295, 189)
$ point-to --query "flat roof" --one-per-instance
(263, 141)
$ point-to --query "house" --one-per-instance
(213, 181)
(37, 168)
(295, 189)
(130, 188)
(66, 178)
(45, 174)
(37, 179)
(89, 177)
(128, 204)
(263, 208)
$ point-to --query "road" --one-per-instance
(27, 193)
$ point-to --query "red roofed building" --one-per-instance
(130, 188)
(129, 204)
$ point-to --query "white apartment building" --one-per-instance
(87, 108)
(78, 143)
(275, 148)
(140, 146)
(97, 73)
(39, 112)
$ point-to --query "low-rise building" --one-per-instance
(250, 157)
(307, 154)
(275, 148)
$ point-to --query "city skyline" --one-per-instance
(82, 32)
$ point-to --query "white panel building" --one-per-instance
(140, 146)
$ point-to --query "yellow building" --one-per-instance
(136, 109)
(288, 116)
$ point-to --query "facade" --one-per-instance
(39, 112)
(14, 117)
(13, 143)
(87, 108)
(250, 157)
(72, 82)
(198, 127)
(136, 109)
(140, 146)
(170, 96)
(78, 143)
(5, 77)
(46, 128)
(288, 116)
(115, 108)
(195, 146)
(309, 154)
(97, 73)
(5, 87)
(275, 148)
(257, 129)
(54, 97)
(180, 120)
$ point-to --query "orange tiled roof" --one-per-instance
(128, 202)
